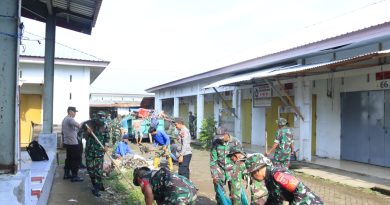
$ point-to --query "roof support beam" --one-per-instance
(49, 5)
(290, 100)
(224, 102)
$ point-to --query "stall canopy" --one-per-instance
(281, 72)
(76, 15)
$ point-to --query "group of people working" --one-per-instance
(95, 132)
(270, 182)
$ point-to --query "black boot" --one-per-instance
(67, 174)
(95, 190)
(82, 166)
(76, 179)
(101, 188)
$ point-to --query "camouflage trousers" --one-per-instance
(235, 193)
(181, 199)
(95, 168)
(163, 153)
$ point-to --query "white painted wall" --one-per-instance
(32, 78)
(79, 88)
(258, 126)
(123, 111)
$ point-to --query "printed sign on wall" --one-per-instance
(262, 95)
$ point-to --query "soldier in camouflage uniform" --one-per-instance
(116, 129)
(109, 122)
(237, 174)
(281, 183)
(220, 164)
(257, 189)
(164, 187)
(283, 144)
(94, 152)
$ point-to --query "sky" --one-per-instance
(152, 42)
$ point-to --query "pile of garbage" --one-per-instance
(132, 161)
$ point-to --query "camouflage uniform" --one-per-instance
(258, 190)
(109, 123)
(284, 186)
(284, 139)
(237, 185)
(116, 127)
(281, 183)
(170, 188)
(94, 153)
(221, 165)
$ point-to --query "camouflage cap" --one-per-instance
(281, 121)
(256, 161)
(234, 150)
(220, 132)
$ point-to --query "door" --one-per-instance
(271, 114)
(183, 112)
(208, 109)
(30, 112)
(387, 129)
(354, 126)
(314, 125)
(227, 118)
(376, 134)
(246, 121)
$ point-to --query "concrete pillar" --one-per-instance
(303, 101)
(176, 106)
(236, 104)
(9, 92)
(48, 85)
(217, 108)
(258, 126)
(157, 104)
(200, 113)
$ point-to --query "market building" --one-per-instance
(331, 81)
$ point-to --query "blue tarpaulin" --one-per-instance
(221, 197)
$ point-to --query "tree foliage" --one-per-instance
(207, 131)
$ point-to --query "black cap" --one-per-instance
(125, 136)
(72, 109)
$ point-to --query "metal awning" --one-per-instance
(296, 70)
(76, 15)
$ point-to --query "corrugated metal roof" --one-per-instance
(328, 34)
(33, 45)
(77, 15)
(292, 70)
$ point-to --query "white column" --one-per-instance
(304, 103)
(200, 112)
(157, 103)
(258, 126)
(236, 104)
(176, 107)
(9, 91)
(217, 107)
